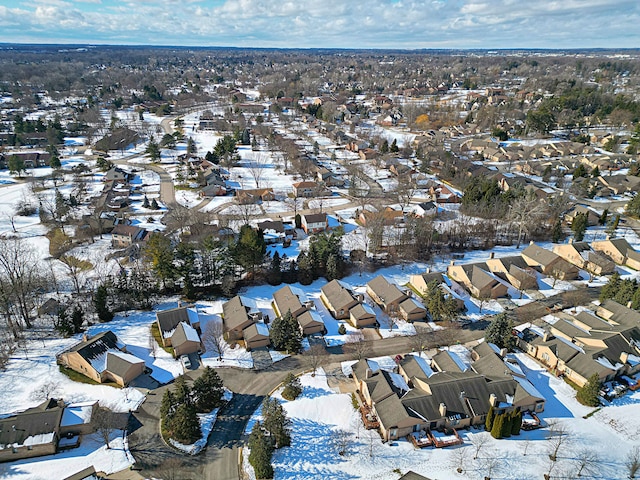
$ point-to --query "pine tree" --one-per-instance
(499, 332)
(181, 391)
(185, 424)
(588, 394)
(333, 269)
(100, 302)
(168, 406)
(506, 424)
(488, 423)
(557, 234)
(274, 277)
(292, 387)
(579, 226)
(611, 288)
(516, 424)
(285, 333)
(208, 390)
(394, 146)
(260, 454)
(305, 269)
(77, 319)
(384, 147)
(276, 422)
(496, 429)
(154, 204)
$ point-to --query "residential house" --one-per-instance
(411, 310)
(619, 250)
(254, 196)
(256, 335)
(619, 184)
(307, 189)
(339, 298)
(425, 209)
(592, 217)
(362, 315)
(388, 216)
(32, 433)
(123, 236)
(314, 222)
(514, 270)
(420, 281)
(178, 329)
(367, 153)
(386, 294)
(77, 418)
(102, 358)
(549, 263)
(581, 255)
(311, 322)
(475, 278)
(291, 299)
(238, 314)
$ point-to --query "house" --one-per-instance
(254, 196)
(362, 315)
(514, 270)
(388, 216)
(238, 314)
(290, 299)
(619, 184)
(314, 222)
(386, 294)
(549, 263)
(32, 433)
(411, 310)
(413, 476)
(77, 418)
(581, 255)
(421, 281)
(256, 335)
(311, 322)
(367, 153)
(475, 278)
(307, 189)
(339, 298)
(419, 400)
(619, 250)
(102, 358)
(425, 209)
(592, 217)
(178, 329)
(123, 236)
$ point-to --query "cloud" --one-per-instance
(328, 23)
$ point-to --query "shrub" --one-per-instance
(292, 387)
(342, 329)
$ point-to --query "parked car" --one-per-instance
(186, 363)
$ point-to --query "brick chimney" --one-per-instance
(443, 409)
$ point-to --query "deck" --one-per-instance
(369, 418)
(530, 421)
(441, 440)
(420, 439)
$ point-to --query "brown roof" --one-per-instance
(338, 295)
(386, 291)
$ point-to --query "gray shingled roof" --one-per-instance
(168, 320)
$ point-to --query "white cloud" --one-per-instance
(330, 23)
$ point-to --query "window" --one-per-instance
(545, 357)
(393, 433)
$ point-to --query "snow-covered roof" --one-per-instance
(604, 361)
(300, 294)
(368, 308)
(316, 316)
(456, 358)
(192, 313)
(190, 333)
(528, 387)
(262, 329)
(40, 439)
(77, 413)
(424, 366)
(399, 382)
(126, 356)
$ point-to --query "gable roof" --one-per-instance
(119, 363)
(168, 320)
(96, 346)
(339, 294)
(387, 292)
(288, 299)
(33, 427)
(184, 333)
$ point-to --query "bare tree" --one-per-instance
(525, 446)
(526, 213)
(490, 463)
(213, 338)
(342, 440)
(315, 355)
(632, 462)
(47, 390)
(105, 423)
(480, 441)
(458, 459)
(356, 346)
(587, 462)
(257, 166)
(558, 437)
(419, 341)
(75, 268)
(171, 469)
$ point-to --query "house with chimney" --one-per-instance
(178, 329)
(582, 256)
(294, 300)
(619, 250)
(475, 277)
(238, 314)
(395, 301)
(549, 263)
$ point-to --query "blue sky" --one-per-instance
(326, 23)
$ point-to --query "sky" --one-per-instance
(410, 24)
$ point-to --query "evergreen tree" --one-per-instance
(499, 332)
(298, 220)
(632, 208)
(285, 333)
(580, 171)
(159, 252)
(100, 302)
(260, 452)
(208, 391)
(384, 147)
(63, 324)
(153, 150)
(557, 234)
(274, 277)
(250, 249)
(275, 421)
(154, 204)
(603, 218)
(77, 318)
(185, 426)
(516, 422)
(191, 146)
(305, 269)
(245, 139)
(579, 226)
(588, 394)
(610, 289)
(168, 406)
(394, 146)
(342, 330)
(54, 161)
(292, 387)
(488, 423)
(506, 424)
(15, 164)
(497, 428)
(333, 268)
